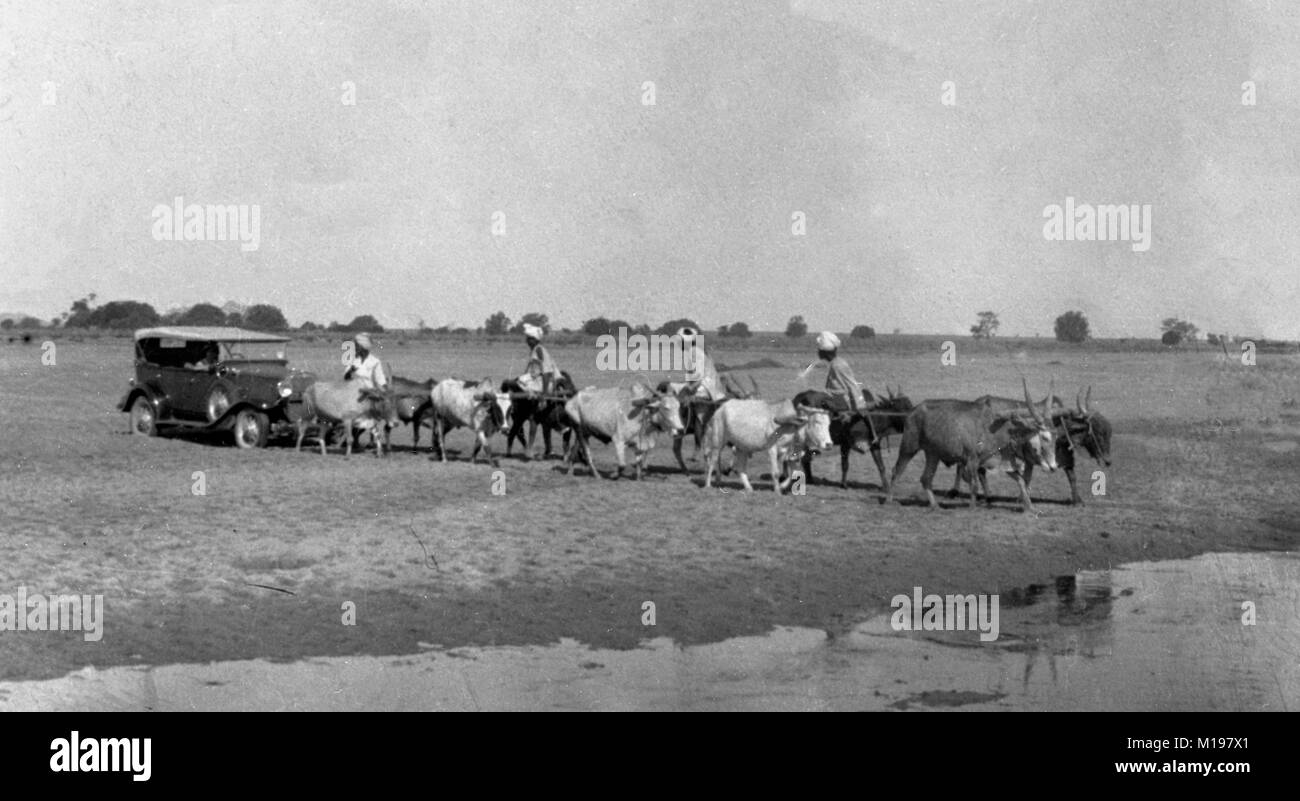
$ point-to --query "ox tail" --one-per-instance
(309, 408)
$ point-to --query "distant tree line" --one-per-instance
(131, 314)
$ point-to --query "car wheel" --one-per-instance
(143, 423)
(250, 429)
(218, 403)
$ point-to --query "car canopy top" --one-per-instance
(207, 334)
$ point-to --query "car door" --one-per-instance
(199, 389)
(174, 384)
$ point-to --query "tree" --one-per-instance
(79, 315)
(114, 314)
(1171, 338)
(365, 322)
(1184, 329)
(202, 314)
(30, 322)
(498, 323)
(987, 326)
(863, 332)
(598, 326)
(796, 327)
(6, 324)
(532, 318)
(1072, 327)
(672, 326)
(308, 325)
(265, 317)
(235, 320)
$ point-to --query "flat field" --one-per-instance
(1206, 453)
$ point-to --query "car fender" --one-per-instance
(154, 399)
(273, 410)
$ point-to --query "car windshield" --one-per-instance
(253, 351)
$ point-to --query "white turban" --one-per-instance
(687, 334)
(827, 340)
(533, 331)
(363, 341)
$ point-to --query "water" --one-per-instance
(1147, 636)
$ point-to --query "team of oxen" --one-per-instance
(1015, 435)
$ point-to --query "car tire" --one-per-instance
(143, 420)
(250, 429)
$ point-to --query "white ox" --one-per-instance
(350, 403)
(474, 405)
(624, 416)
(780, 428)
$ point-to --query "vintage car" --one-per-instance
(213, 379)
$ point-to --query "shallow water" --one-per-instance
(1147, 636)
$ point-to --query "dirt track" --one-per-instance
(429, 555)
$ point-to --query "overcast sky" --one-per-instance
(918, 214)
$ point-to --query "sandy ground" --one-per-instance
(1205, 458)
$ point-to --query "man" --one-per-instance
(211, 355)
(840, 382)
(542, 373)
(365, 366)
(701, 377)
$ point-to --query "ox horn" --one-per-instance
(1087, 400)
(753, 384)
(1030, 402)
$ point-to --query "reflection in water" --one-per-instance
(1076, 622)
(1150, 636)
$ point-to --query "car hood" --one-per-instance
(273, 370)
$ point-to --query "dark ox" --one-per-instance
(413, 405)
(1078, 428)
(851, 431)
(976, 436)
(548, 413)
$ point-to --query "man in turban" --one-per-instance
(365, 366)
(542, 373)
(840, 382)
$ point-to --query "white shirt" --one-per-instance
(707, 377)
(369, 371)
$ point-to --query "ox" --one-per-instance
(413, 405)
(472, 404)
(697, 411)
(537, 411)
(624, 416)
(784, 429)
(350, 403)
(1075, 428)
(851, 431)
(975, 436)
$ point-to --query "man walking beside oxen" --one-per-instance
(364, 366)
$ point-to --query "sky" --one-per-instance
(503, 156)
